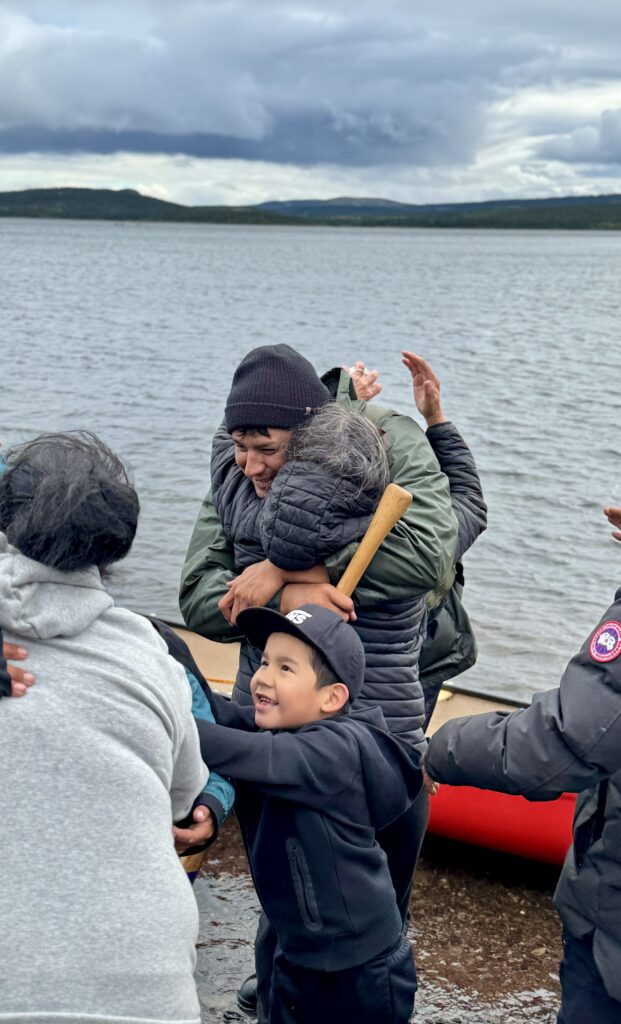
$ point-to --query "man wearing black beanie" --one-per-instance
(273, 385)
(275, 389)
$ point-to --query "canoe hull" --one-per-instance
(510, 824)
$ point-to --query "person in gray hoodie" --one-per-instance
(14, 680)
(98, 920)
(569, 739)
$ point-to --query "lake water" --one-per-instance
(133, 331)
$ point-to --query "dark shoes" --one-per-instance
(247, 996)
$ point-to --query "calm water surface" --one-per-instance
(134, 331)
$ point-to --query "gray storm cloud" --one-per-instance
(592, 144)
(350, 84)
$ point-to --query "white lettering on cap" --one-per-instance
(297, 616)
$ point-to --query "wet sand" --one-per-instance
(485, 934)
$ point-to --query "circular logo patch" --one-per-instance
(606, 644)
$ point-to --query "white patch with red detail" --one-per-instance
(606, 643)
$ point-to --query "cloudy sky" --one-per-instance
(240, 101)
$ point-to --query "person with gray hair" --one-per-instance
(106, 736)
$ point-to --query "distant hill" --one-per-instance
(564, 213)
(384, 208)
(126, 204)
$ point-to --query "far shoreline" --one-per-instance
(568, 213)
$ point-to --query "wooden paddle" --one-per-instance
(393, 503)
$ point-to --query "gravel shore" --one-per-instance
(485, 934)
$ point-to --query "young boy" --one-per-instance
(315, 780)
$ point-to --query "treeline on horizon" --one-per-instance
(602, 213)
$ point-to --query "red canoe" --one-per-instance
(511, 824)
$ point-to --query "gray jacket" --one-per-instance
(569, 739)
(98, 920)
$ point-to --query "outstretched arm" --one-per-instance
(569, 739)
(452, 452)
(294, 766)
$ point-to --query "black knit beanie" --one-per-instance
(273, 386)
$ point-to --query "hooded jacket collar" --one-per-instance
(40, 602)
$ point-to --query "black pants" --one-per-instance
(401, 842)
(584, 1000)
(381, 991)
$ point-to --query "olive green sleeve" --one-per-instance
(209, 566)
(418, 554)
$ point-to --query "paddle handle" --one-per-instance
(393, 503)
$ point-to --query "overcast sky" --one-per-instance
(241, 101)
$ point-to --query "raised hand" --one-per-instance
(426, 388)
(613, 515)
(365, 381)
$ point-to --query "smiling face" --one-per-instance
(284, 687)
(261, 457)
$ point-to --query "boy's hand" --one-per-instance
(295, 595)
(21, 681)
(195, 835)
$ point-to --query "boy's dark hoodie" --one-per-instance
(309, 802)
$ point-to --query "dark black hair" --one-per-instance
(326, 675)
(66, 501)
(251, 431)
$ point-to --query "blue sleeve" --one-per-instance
(216, 786)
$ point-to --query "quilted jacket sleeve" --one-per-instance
(457, 462)
(569, 739)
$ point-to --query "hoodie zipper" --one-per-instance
(303, 887)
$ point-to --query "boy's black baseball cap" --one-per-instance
(335, 639)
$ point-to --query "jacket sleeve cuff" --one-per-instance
(439, 428)
(219, 814)
(5, 679)
(430, 772)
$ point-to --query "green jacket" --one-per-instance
(417, 557)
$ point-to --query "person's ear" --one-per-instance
(334, 697)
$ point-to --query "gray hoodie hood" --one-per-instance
(40, 602)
